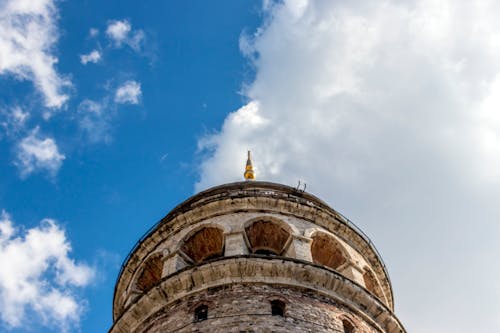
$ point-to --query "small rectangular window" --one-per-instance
(277, 308)
(201, 313)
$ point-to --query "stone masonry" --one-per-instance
(254, 257)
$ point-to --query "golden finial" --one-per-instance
(249, 173)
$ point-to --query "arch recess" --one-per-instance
(267, 236)
(150, 274)
(347, 326)
(326, 250)
(205, 243)
(372, 284)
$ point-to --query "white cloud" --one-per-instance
(129, 92)
(38, 276)
(93, 57)
(13, 119)
(36, 153)
(389, 111)
(28, 34)
(93, 32)
(95, 117)
(94, 121)
(18, 116)
(120, 32)
(136, 40)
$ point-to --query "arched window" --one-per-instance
(150, 274)
(327, 251)
(205, 244)
(371, 283)
(347, 326)
(201, 313)
(266, 237)
(277, 308)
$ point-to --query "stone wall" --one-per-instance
(229, 205)
(243, 232)
(231, 251)
(247, 308)
(257, 270)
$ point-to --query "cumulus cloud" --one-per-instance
(389, 111)
(37, 153)
(128, 93)
(38, 276)
(28, 34)
(94, 57)
(120, 33)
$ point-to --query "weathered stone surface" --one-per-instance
(151, 273)
(259, 270)
(267, 236)
(236, 247)
(205, 243)
(247, 308)
(325, 250)
(235, 244)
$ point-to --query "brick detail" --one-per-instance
(247, 308)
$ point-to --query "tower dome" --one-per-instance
(254, 257)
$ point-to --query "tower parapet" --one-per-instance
(254, 257)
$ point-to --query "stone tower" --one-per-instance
(254, 257)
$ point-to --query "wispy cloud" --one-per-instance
(94, 57)
(93, 32)
(28, 34)
(18, 116)
(389, 110)
(37, 153)
(121, 33)
(128, 93)
(94, 120)
(95, 117)
(37, 275)
(13, 119)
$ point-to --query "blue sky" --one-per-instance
(112, 186)
(112, 113)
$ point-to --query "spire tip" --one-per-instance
(249, 172)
